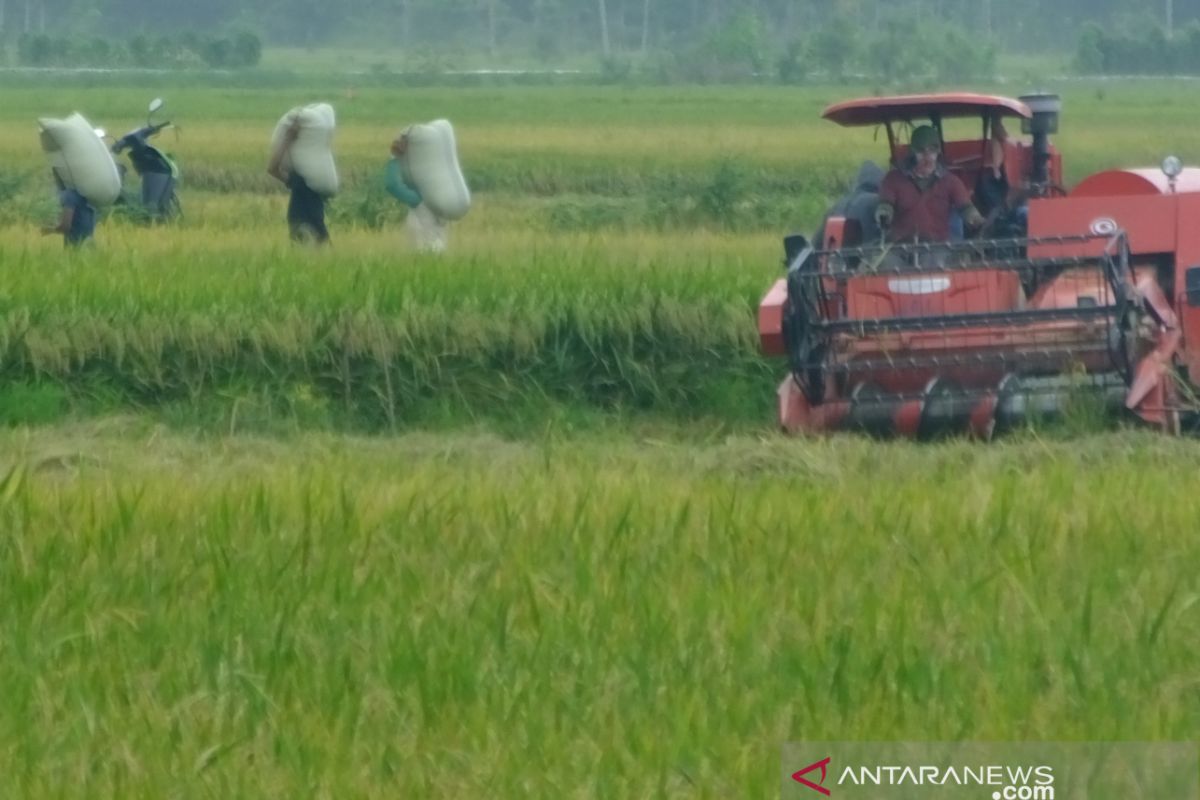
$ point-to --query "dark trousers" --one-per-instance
(306, 213)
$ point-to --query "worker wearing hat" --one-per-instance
(917, 202)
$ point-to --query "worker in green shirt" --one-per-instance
(426, 230)
(394, 176)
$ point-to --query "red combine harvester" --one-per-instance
(1096, 289)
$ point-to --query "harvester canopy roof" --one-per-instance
(903, 108)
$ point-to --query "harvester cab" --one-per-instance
(1063, 295)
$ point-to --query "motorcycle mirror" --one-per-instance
(156, 104)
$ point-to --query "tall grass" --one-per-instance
(443, 617)
(387, 339)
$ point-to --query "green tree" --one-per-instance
(835, 46)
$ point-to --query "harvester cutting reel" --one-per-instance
(921, 338)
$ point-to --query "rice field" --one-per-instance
(589, 616)
(514, 521)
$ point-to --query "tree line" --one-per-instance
(555, 30)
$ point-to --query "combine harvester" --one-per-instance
(1094, 290)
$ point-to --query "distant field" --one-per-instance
(603, 201)
(419, 57)
(754, 159)
(629, 142)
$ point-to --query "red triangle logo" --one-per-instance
(798, 777)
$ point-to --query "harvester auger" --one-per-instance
(1082, 296)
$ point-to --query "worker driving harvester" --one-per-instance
(918, 201)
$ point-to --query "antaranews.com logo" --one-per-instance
(1013, 783)
(990, 770)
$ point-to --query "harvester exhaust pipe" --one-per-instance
(1045, 108)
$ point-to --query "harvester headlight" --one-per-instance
(1172, 167)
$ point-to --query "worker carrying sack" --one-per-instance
(80, 158)
(311, 154)
(430, 165)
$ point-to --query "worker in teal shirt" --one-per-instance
(427, 232)
(394, 176)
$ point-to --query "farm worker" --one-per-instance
(426, 229)
(858, 204)
(917, 202)
(992, 191)
(306, 208)
(996, 148)
(394, 176)
(77, 219)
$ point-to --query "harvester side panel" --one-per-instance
(1187, 259)
(1162, 223)
(1149, 222)
(770, 320)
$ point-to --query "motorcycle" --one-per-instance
(158, 171)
